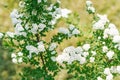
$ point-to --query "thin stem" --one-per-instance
(41, 56)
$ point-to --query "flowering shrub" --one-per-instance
(95, 59)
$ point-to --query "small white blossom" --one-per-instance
(85, 54)
(13, 55)
(110, 54)
(113, 69)
(118, 69)
(111, 25)
(109, 77)
(1, 35)
(64, 30)
(39, 1)
(82, 60)
(105, 49)
(32, 49)
(41, 26)
(92, 9)
(20, 60)
(10, 34)
(34, 28)
(99, 78)
(65, 12)
(107, 71)
(88, 3)
(14, 60)
(93, 53)
(14, 14)
(103, 18)
(71, 27)
(21, 4)
(52, 46)
(41, 48)
(53, 58)
(98, 25)
(20, 54)
(75, 32)
(86, 47)
(53, 52)
(116, 39)
(70, 49)
(92, 59)
(79, 50)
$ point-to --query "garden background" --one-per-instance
(9, 71)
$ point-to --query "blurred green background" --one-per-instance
(9, 71)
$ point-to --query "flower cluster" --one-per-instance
(90, 7)
(71, 31)
(71, 54)
(97, 60)
(17, 58)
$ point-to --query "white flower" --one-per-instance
(53, 22)
(93, 53)
(13, 55)
(116, 39)
(15, 21)
(20, 54)
(92, 59)
(14, 17)
(14, 14)
(88, 3)
(18, 28)
(41, 26)
(86, 47)
(118, 69)
(53, 52)
(109, 77)
(113, 32)
(110, 54)
(79, 50)
(106, 32)
(41, 48)
(92, 9)
(65, 12)
(45, 0)
(20, 60)
(113, 69)
(10, 34)
(99, 78)
(71, 27)
(107, 71)
(53, 58)
(39, 1)
(1, 35)
(52, 46)
(75, 32)
(21, 4)
(34, 28)
(14, 60)
(104, 49)
(111, 25)
(70, 49)
(63, 57)
(85, 54)
(103, 18)
(32, 49)
(98, 25)
(82, 60)
(63, 30)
